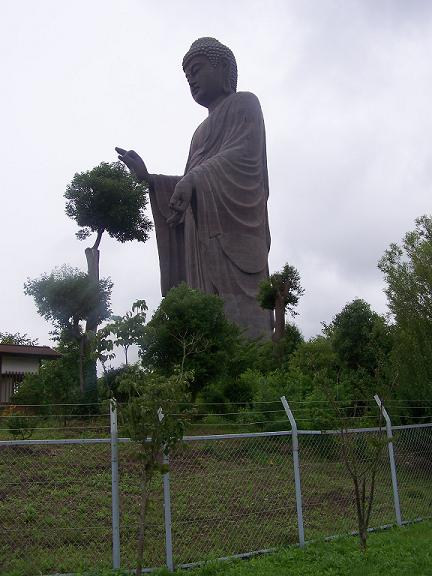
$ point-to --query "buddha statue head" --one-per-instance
(211, 71)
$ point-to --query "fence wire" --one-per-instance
(413, 454)
(55, 508)
(328, 488)
(229, 494)
(232, 496)
(130, 488)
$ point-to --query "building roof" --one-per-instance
(43, 352)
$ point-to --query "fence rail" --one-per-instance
(67, 505)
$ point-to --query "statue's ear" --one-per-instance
(226, 68)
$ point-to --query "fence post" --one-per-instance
(167, 516)
(391, 458)
(115, 487)
(296, 461)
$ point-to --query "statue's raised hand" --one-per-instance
(135, 164)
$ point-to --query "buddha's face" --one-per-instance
(207, 83)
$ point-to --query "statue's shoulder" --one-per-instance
(246, 97)
(246, 101)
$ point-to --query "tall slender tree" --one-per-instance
(105, 199)
(281, 293)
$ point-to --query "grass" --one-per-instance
(228, 497)
(396, 552)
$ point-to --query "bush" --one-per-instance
(20, 425)
(108, 384)
(238, 391)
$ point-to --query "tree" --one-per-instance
(17, 338)
(407, 270)
(55, 383)
(362, 341)
(66, 297)
(281, 293)
(359, 336)
(270, 356)
(106, 198)
(362, 457)
(189, 330)
(128, 329)
(154, 418)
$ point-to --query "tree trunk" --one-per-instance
(145, 487)
(81, 363)
(279, 318)
(92, 256)
(363, 538)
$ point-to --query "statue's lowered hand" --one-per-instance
(180, 200)
(175, 218)
(135, 163)
(182, 196)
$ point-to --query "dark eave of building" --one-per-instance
(42, 352)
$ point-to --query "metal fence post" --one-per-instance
(115, 487)
(167, 516)
(391, 458)
(296, 461)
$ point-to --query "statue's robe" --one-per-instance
(222, 245)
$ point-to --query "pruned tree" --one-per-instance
(66, 297)
(106, 199)
(281, 293)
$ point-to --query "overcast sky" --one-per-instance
(346, 92)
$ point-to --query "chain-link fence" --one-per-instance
(224, 495)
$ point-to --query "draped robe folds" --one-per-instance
(222, 245)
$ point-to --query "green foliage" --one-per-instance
(154, 418)
(284, 284)
(66, 296)
(238, 391)
(407, 270)
(317, 363)
(57, 381)
(154, 414)
(128, 329)
(108, 198)
(398, 552)
(212, 398)
(108, 384)
(19, 424)
(281, 292)
(189, 329)
(270, 356)
(359, 336)
(17, 338)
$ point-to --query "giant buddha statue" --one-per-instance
(211, 223)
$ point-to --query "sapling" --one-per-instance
(154, 417)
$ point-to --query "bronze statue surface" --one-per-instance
(211, 223)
